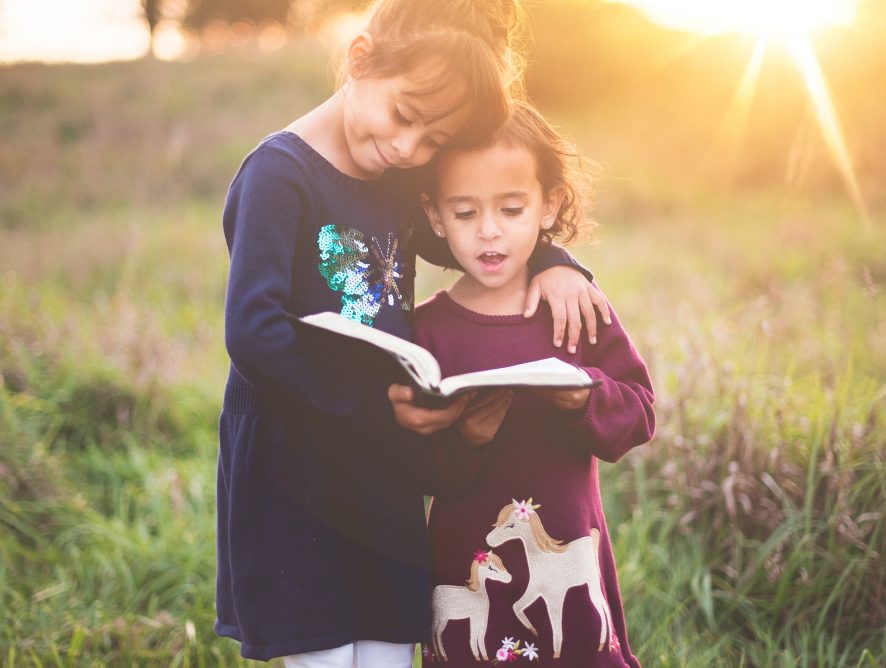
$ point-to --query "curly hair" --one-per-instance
(558, 164)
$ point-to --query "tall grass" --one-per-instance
(756, 507)
(750, 532)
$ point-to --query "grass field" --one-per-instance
(750, 532)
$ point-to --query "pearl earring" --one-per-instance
(439, 233)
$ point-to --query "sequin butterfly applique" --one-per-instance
(365, 274)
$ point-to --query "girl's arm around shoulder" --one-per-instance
(619, 413)
(267, 206)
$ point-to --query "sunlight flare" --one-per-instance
(83, 31)
(803, 53)
(759, 17)
(790, 21)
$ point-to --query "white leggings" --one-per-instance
(360, 654)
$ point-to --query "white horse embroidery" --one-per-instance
(471, 602)
(553, 569)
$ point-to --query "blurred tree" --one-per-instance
(153, 14)
(202, 12)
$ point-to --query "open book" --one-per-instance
(423, 369)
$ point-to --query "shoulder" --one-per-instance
(432, 306)
(273, 187)
(275, 179)
(429, 314)
(278, 158)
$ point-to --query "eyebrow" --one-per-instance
(457, 199)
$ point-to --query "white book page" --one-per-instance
(550, 372)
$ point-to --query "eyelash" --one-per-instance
(511, 211)
(402, 120)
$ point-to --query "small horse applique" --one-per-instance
(469, 602)
(554, 568)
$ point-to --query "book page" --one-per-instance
(550, 372)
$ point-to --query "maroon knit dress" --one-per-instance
(522, 563)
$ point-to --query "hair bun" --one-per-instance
(495, 22)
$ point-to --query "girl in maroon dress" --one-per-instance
(522, 561)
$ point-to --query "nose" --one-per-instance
(406, 143)
(489, 227)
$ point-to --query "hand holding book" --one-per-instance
(483, 416)
(414, 415)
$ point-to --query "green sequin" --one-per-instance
(366, 275)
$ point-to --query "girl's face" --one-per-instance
(490, 207)
(387, 127)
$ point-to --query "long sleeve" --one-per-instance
(266, 205)
(619, 414)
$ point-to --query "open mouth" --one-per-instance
(491, 261)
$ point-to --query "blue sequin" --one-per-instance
(367, 276)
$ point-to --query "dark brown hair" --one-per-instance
(557, 163)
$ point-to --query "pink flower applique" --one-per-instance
(524, 509)
(614, 645)
(481, 556)
(510, 651)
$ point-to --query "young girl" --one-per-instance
(322, 546)
(522, 552)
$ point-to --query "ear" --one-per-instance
(551, 208)
(433, 215)
(359, 48)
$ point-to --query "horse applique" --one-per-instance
(554, 568)
(469, 602)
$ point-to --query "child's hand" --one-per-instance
(570, 297)
(567, 400)
(483, 416)
(423, 421)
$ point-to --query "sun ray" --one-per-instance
(801, 49)
(728, 141)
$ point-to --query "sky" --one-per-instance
(71, 30)
(99, 30)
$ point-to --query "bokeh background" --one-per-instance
(742, 202)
